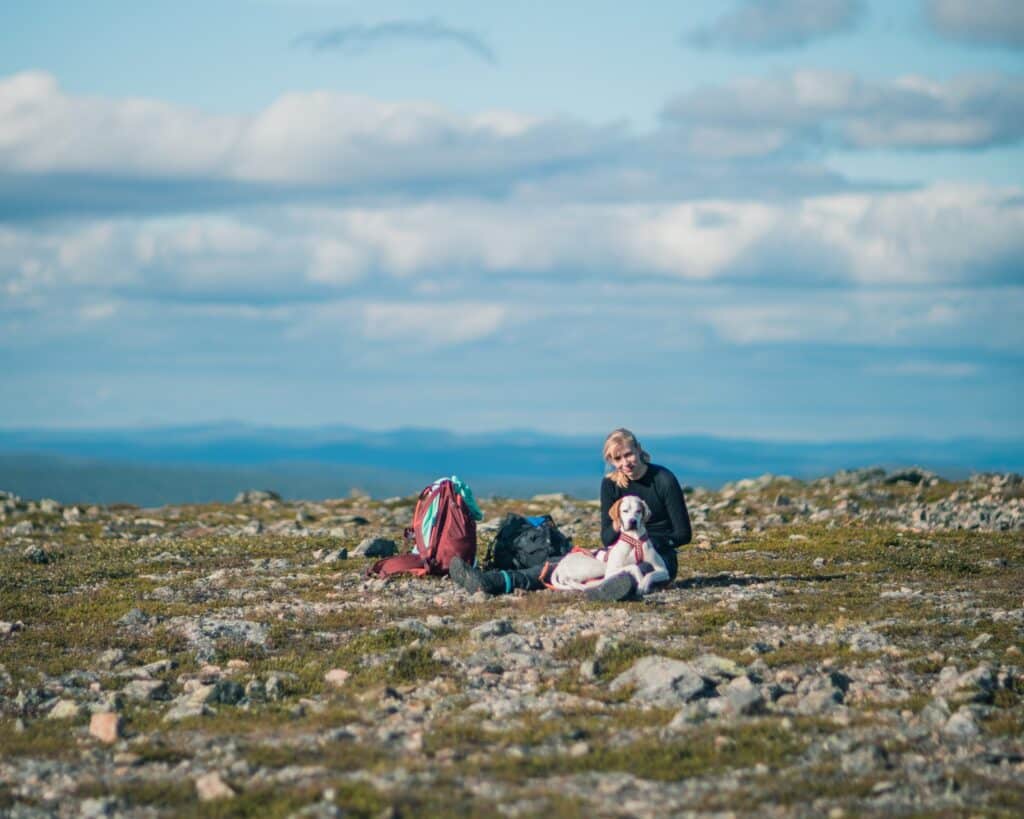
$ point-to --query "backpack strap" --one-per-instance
(399, 564)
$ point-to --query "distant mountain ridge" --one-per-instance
(153, 466)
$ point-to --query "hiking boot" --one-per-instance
(474, 580)
(617, 587)
(464, 575)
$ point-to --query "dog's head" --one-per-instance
(629, 513)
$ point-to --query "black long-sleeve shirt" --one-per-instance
(669, 524)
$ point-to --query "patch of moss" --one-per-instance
(175, 796)
(926, 665)
(224, 721)
(338, 756)
(154, 752)
(359, 799)
(413, 664)
(802, 654)
(577, 649)
(40, 738)
(1005, 723)
(650, 757)
(787, 788)
(621, 656)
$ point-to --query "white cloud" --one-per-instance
(431, 325)
(815, 110)
(313, 138)
(680, 240)
(770, 324)
(777, 24)
(335, 262)
(927, 369)
(992, 22)
(134, 154)
(938, 235)
(934, 319)
(98, 311)
(43, 129)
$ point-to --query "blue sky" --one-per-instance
(785, 219)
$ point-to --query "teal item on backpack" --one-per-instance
(462, 488)
(467, 495)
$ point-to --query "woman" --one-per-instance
(631, 473)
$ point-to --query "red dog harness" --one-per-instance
(638, 547)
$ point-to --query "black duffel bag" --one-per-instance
(523, 542)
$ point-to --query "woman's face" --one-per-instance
(627, 461)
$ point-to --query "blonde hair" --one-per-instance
(621, 437)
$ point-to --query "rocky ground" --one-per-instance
(849, 646)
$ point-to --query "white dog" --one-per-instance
(583, 568)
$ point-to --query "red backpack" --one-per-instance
(443, 526)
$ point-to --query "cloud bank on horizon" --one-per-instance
(808, 235)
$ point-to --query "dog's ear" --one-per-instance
(613, 513)
(646, 510)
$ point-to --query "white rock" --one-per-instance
(961, 727)
(336, 677)
(210, 787)
(660, 679)
(105, 726)
(65, 709)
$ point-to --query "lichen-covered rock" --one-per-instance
(742, 696)
(64, 709)
(663, 680)
(256, 496)
(375, 547)
(211, 787)
(143, 690)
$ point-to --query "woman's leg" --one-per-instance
(495, 581)
(668, 554)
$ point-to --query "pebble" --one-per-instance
(336, 677)
(106, 726)
(64, 709)
(211, 787)
(962, 726)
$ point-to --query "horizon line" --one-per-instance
(497, 432)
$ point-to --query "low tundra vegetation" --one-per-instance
(885, 666)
